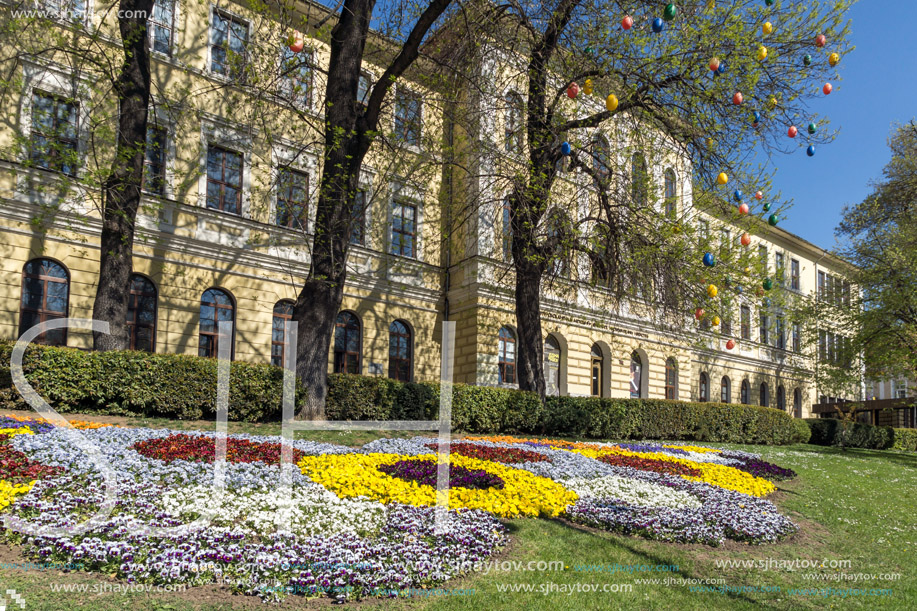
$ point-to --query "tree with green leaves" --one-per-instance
(700, 85)
(879, 236)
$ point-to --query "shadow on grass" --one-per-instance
(892, 456)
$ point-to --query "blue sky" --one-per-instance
(878, 88)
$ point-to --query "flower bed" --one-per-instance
(358, 523)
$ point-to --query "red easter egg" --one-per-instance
(730, 345)
(714, 64)
(759, 195)
(572, 91)
(297, 42)
(737, 98)
(743, 208)
(628, 22)
(820, 40)
(792, 131)
(746, 239)
(699, 313)
(827, 89)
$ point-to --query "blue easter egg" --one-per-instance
(565, 148)
(811, 150)
(709, 259)
(737, 195)
(658, 25)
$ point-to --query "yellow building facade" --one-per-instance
(217, 240)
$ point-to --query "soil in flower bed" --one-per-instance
(424, 472)
(17, 468)
(202, 449)
(502, 455)
(648, 464)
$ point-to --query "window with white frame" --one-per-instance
(54, 133)
(161, 26)
(224, 179)
(408, 109)
(292, 199)
(296, 76)
(228, 42)
(154, 160)
(404, 229)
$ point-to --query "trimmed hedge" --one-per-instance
(139, 383)
(184, 387)
(905, 439)
(827, 432)
(803, 431)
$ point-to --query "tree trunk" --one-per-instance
(121, 192)
(529, 345)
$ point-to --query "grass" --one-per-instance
(853, 507)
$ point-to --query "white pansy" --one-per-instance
(631, 491)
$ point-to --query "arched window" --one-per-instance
(506, 355)
(725, 390)
(283, 311)
(671, 378)
(347, 343)
(746, 390)
(216, 307)
(636, 376)
(639, 180)
(781, 398)
(141, 314)
(514, 124)
(400, 351)
(552, 366)
(703, 393)
(671, 199)
(601, 157)
(45, 296)
(764, 398)
(797, 403)
(598, 363)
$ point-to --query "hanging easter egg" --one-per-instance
(716, 321)
(767, 206)
(737, 98)
(565, 148)
(767, 28)
(827, 89)
(747, 270)
(768, 284)
(757, 117)
(699, 313)
(811, 150)
(658, 25)
(792, 131)
(572, 91)
(759, 196)
(769, 2)
(710, 144)
(807, 60)
(709, 259)
(722, 68)
(820, 41)
(296, 41)
(739, 289)
(730, 344)
(762, 53)
(712, 291)
(587, 87)
(834, 59)
(714, 64)
(813, 128)
(611, 102)
(772, 220)
(589, 51)
(772, 102)
(745, 239)
(722, 179)
(760, 292)
(670, 12)
(743, 209)
(737, 195)
(628, 22)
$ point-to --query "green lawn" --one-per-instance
(853, 507)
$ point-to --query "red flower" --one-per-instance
(203, 449)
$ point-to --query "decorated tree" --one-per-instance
(606, 95)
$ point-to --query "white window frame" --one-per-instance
(214, 9)
(287, 155)
(219, 133)
(420, 97)
(403, 193)
(173, 42)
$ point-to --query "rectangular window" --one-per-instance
(292, 199)
(832, 354)
(364, 88)
(228, 40)
(161, 25)
(54, 136)
(513, 123)
(69, 10)
(846, 295)
(821, 286)
(797, 338)
(780, 267)
(762, 256)
(725, 243)
(296, 77)
(745, 316)
(823, 346)
(794, 274)
(780, 332)
(404, 221)
(703, 232)
(899, 389)
(358, 227)
(154, 162)
(407, 117)
(224, 180)
(762, 328)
